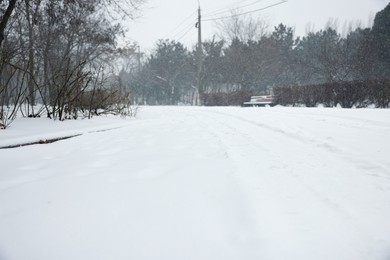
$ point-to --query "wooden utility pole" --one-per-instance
(200, 57)
(139, 58)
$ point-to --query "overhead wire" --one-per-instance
(181, 23)
(190, 25)
(226, 8)
(189, 29)
(237, 7)
(244, 13)
(209, 17)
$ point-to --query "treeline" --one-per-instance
(56, 58)
(59, 59)
(234, 98)
(350, 94)
(259, 64)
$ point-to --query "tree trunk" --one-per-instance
(4, 20)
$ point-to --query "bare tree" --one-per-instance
(242, 27)
(55, 42)
(5, 18)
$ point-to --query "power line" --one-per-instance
(233, 6)
(190, 25)
(225, 8)
(181, 23)
(244, 13)
(188, 30)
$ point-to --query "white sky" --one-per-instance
(162, 19)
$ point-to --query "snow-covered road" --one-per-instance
(203, 183)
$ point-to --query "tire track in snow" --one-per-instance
(319, 144)
(248, 143)
(343, 118)
(282, 183)
(359, 168)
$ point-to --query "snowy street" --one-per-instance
(200, 183)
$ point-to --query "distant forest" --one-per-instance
(254, 62)
(60, 59)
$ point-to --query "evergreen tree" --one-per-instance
(171, 71)
(381, 42)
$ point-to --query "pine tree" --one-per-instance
(381, 42)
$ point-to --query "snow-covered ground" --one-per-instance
(199, 183)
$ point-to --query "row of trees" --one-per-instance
(59, 58)
(345, 94)
(56, 57)
(251, 60)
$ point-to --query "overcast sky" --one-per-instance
(174, 19)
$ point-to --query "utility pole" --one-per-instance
(139, 58)
(200, 57)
